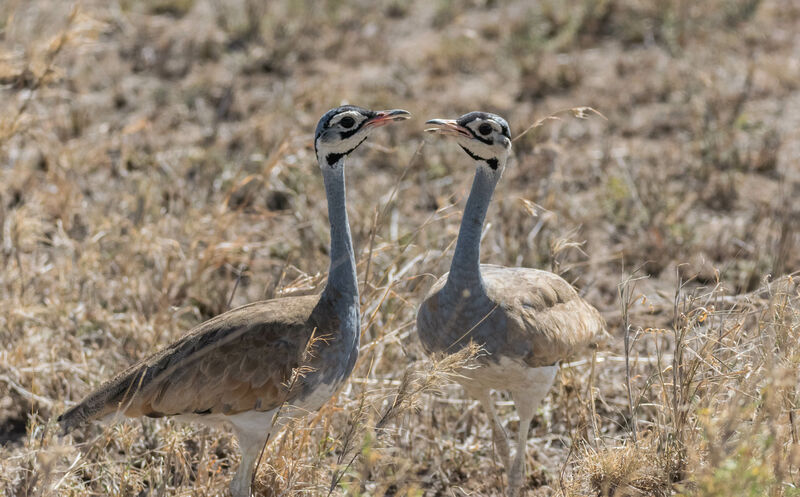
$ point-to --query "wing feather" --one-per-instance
(235, 362)
(545, 312)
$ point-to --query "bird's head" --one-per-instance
(343, 129)
(485, 137)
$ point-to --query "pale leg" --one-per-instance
(499, 435)
(251, 449)
(526, 402)
(516, 474)
(252, 430)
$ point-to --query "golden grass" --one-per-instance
(156, 168)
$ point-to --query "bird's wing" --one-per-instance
(237, 361)
(545, 314)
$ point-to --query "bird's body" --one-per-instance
(524, 315)
(216, 370)
(285, 356)
(526, 320)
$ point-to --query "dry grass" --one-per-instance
(156, 167)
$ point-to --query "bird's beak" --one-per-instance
(384, 117)
(447, 127)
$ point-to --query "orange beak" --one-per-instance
(384, 117)
(447, 127)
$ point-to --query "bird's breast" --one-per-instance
(316, 395)
(332, 356)
(447, 323)
(507, 374)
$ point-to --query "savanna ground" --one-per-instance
(156, 167)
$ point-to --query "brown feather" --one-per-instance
(545, 311)
(237, 361)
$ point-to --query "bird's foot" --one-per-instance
(514, 485)
(240, 488)
(516, 473)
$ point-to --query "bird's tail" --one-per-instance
(73, 417)
(107, 399)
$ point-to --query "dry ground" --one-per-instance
(155, 160)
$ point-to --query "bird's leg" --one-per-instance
(250, 444)
(499, 436)
(526, 402)
(526, 407)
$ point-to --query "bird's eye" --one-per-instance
(485, 129)
(347, 122)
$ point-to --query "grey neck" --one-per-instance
(342, 279)
(465, 268)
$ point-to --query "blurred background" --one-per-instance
(157, 167)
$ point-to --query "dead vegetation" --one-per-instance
(156, 168)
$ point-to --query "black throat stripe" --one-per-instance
(332, 159)
(491, 161)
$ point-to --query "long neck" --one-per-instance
(465, 268)
(342, 279)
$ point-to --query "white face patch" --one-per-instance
(343, 133)
(342, 129)
(488, 141)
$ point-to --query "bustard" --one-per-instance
(527, 320)
(242, 366)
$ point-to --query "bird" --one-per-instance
(526, 320)
(284, 356)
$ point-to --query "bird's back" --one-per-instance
(238, 361)
(527, 315)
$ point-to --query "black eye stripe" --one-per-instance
(352, 131)
(480, 138)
